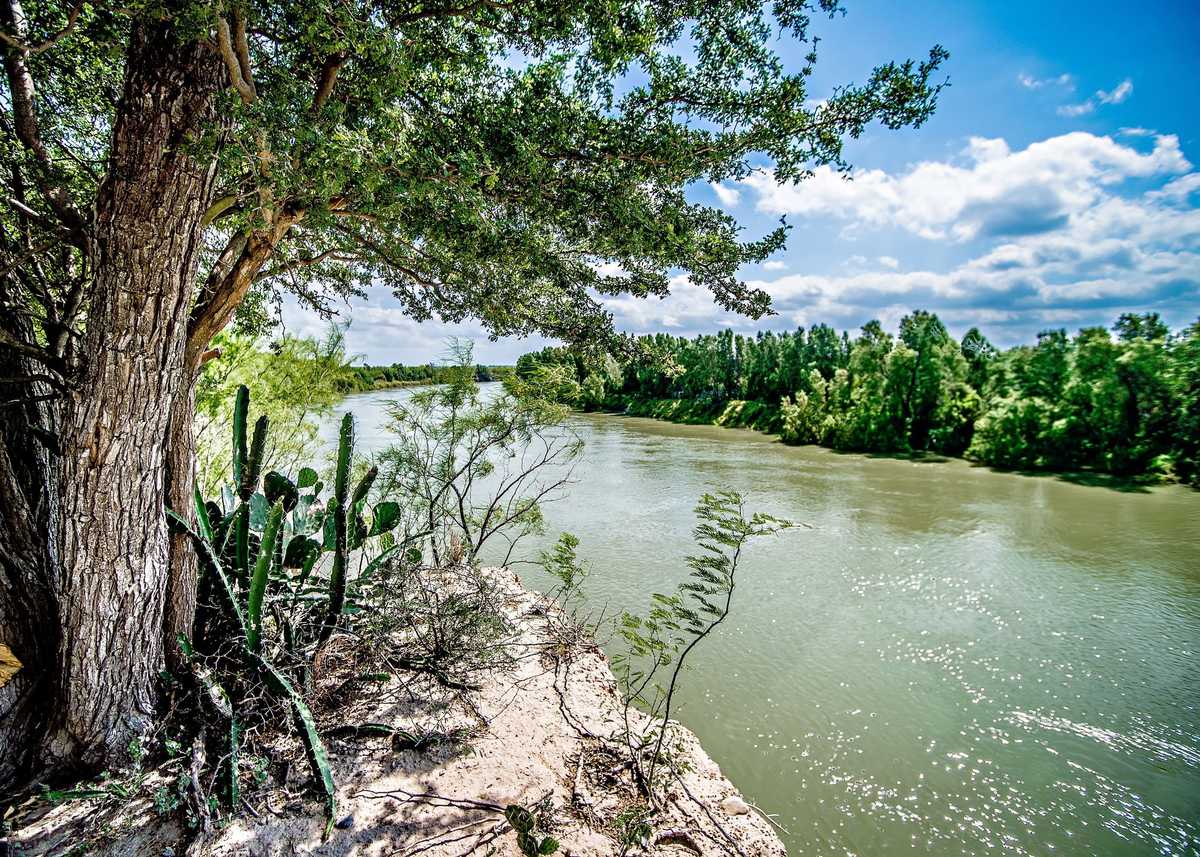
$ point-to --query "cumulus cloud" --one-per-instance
(1116, 95)
(380, 332)
(729, 196)
(994, 192)
(775, 265)
(1178, 190)
(1059, 240)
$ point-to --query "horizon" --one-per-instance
(1055, 186)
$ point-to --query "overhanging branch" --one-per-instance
(17, 43)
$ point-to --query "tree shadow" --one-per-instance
(1090, 479)
(1087, 478)
(914, 457)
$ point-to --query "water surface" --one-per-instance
(951, 661)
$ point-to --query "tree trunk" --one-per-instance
(88, 596)
(179, 611)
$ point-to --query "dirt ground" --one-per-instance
(544, 732)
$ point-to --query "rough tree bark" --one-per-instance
(84, 548)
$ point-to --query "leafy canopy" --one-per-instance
(483, 158)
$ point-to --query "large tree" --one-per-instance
(167, 161)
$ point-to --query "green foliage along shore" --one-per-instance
(1125, 402)
(361, 378)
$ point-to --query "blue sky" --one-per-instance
(1057, 185)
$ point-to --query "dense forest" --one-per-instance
(1124, 402)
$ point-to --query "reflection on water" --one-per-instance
(952, 661)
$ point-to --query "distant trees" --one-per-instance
(397, 374)
(1126, 404)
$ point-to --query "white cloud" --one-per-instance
(609, 269)
(1116, 95)
(1113, 251)
(1081, 109)
(729, 196)
(1030, 82)
(1178, 190)
(774, 265)
(997, 192)
(1122, 91)
(380, 332)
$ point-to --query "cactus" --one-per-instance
(345, 451)
(241, 545)
(337, 577)
(314, 748)
(276, 486)
(212, 567)
(262, 538)
(253, 466)
(241, 407)
(258, 583)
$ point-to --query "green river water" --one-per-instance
(951, 661)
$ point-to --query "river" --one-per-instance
(951, 660)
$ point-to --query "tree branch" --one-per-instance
(7, 340)
(23, 96)
(16, 43)
(336, 253)
(218, 208)
(326, 81)
(232, 63)
(226, 288)
(242, 47)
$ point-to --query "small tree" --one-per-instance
(473, 468)
(296, 380)
(678, 623)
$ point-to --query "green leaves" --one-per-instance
(524, 823)
(386, 517)
(276, 486)
(468, 170)
(677, 623)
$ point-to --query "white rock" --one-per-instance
(734, 805)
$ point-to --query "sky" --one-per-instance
(1057, 185)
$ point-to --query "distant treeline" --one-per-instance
(362, 378)
(1127, 403)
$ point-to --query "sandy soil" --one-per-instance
(544, 733)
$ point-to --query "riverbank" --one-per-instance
(768, 419)
(544, 732)
(759, 416)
